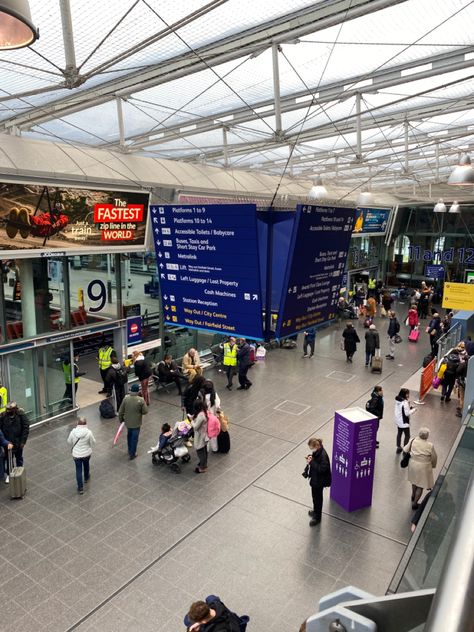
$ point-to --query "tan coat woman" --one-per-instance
(420, 467)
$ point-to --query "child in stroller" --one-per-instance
(171, 446)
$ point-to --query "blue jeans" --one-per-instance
(81, 463)
(368, 357)
(17, 454)
(132, 440)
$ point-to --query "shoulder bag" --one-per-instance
(406, 457)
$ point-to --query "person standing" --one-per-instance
(199, 423)
(434, 331)
(371, 308)
(3, 398)
(243, 358)
(372, 343)
(81, 441)
(421, 465)
(403, 412)
(15, 428)
(308, 341)
(143, 373)
(116, 379)
(413, 320)
(131, 412)
(230, 360)
(372, 286)
(375, 406)
(449, 376)
(350, 340)
(192, 364)
(318, 471)
(68, 378)
(392, 333)
(4, 445)
(106, 356)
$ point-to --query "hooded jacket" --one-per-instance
(402, 412)
(82, 440)
(224, 621)
(15, 427)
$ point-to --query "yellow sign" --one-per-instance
(458, 296)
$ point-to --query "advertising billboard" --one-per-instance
(37, 220)
(371, 221)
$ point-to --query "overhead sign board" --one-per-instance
(458, 296)
(371, 221)
(37, 220)
(434, 272)
(207, 258)
(317, 259)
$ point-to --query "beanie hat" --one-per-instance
(134, 388)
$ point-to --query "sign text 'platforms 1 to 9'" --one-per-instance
(207, 258)
(318, 253)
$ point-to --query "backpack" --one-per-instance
(106, 409)
(122, 377)
(213, 426)
(369, 405)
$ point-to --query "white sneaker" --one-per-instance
(306, 355)
(7, 479)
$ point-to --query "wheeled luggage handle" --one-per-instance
(10, 460)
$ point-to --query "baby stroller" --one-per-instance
(174, 449)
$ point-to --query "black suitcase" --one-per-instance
(223, 442)
(106, 409)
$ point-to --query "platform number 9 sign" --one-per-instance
(97, 293)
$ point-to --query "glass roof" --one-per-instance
(163, 78)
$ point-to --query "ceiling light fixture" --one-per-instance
(440, 206)
(16, 28)
(455, 208)
(463, 173)
(318, 191)
(365, 198)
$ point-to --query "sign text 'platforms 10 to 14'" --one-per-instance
(317, 258)
(207, 258)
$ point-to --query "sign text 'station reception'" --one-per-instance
(318, 254)
(207, 259)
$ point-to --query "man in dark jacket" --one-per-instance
(392, 333)
(168, 372)
(115, 380)
(449, 376)
(375, 406)
(372, 343)
(4, 446)
(15, 428)
(309, 340)
(243, 359)
(213, 616)
(318, 470)
(434, 331)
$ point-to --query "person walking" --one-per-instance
(375, 406)
(243, 359)
(403, 412)
(67, 397)
(106, 356)
(371, 308)
(387, 302)
(213, 403)
(191, 364)
(131, 412)
(413, 320)
(81, 441)
(372, 343)
(193, 392)
(350, 339)
(318, 471)
(230, 360)
(392, 333)
(116, 379)
(308, 341)
(449, 376)
(199, 423)
(143, 372)
(434, 331)
(421, 465)
(15, 428)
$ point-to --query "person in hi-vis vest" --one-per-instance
(230, 360)
(3, 398)
(106, 356)
(67, 397)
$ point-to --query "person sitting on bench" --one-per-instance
(168, 372)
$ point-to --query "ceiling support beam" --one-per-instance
(71, 73)
(121, 124)
(437, 160)
(276, 89)
(405, 130)
(225, 146)
(358, 127)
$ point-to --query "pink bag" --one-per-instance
(436, 381)
(414, 335)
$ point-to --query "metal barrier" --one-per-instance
(448, 340)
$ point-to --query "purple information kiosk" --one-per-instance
(353, 458)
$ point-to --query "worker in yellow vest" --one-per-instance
(106, 356)
(230, 360)
(371, 286)
(67, 397)
(3, 398)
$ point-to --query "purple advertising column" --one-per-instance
(353, 458)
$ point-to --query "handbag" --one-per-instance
(397, 339)
(406, 457)
(436, 381)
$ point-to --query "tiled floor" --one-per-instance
(143, 543)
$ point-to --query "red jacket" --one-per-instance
(413, 317)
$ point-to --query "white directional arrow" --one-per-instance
(254, 297)
(157, 232)
(162, 265)
(162, 276)
(165, 297)
(166, 307)
(158, 243)
(155, 220)
(160, 255)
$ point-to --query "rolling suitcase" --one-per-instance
(17, 479)
(414, 335)
(377, 362)
(223, 442)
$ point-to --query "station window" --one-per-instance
(402, 245)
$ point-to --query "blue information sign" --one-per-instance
(134, 330)
(318, 253)
(371, 220)
(207, 258)
(434, 272)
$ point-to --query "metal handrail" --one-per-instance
(448, 340)
(453, 605)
